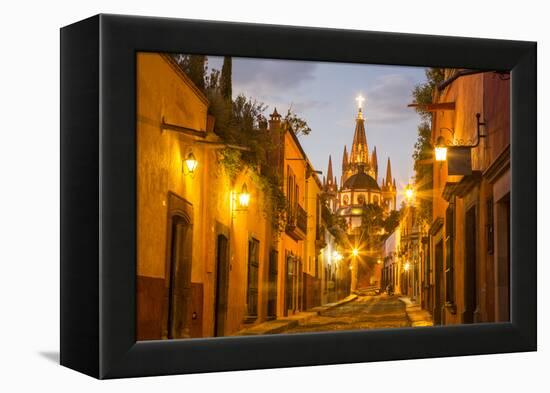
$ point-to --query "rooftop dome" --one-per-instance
(361, 181)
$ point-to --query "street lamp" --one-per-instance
(440, 149)
(244, 198)
(409, 193)
(240, 200)
(190, 164)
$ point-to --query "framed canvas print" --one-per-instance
(241, 196)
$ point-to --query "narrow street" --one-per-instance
(366, 312)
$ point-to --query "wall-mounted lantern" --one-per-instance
(190, 164)
(459, 150)
(240, 200)
(244, 198)
(440, 149)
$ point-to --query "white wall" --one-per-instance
(29, 173)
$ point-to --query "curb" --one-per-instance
(415, 322)
(291, 323)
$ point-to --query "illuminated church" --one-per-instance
(359, 181)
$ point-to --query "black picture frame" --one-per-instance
(98, 196)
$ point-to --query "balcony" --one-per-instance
(296, 226)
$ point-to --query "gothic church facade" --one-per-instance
(359, 183)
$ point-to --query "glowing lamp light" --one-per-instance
(379, 261)
(440, 150)
(244, 197)
(409, 193)
(407, 266)
(355, 252)
(191, 163)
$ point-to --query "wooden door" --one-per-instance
(179, 279)
(470, 267)
(272, 285)
(439, 283)
(222, 281)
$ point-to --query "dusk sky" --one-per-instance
(324, 95)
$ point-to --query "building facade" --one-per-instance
(470, 230)
(392, 268)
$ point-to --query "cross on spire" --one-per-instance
(360, 100)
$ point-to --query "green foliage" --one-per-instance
(372, 220)
(376, 225)
(195, 67)
(212, 80)
(391, 221)
(296, 124)
(335, 223)
(272, 187)
(238, 123)
(423, 148)
(423, 93)
(423, 168)
(225, 82)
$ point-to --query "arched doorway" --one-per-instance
(178, 269)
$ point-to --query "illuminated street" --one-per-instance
(367, 312)
(254, 218)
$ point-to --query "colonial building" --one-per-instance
(412, 253)
(302, 270)
(392, 272)
(204, 245)
(469, 238)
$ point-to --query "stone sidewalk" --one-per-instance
(416, 315)
(282, 324)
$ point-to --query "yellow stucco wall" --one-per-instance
(163, 92)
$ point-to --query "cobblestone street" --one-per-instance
(366, 312)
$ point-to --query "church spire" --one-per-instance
(388, 173)
(345, 157)
(374, 163)
(330, 177)
(360, 148)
